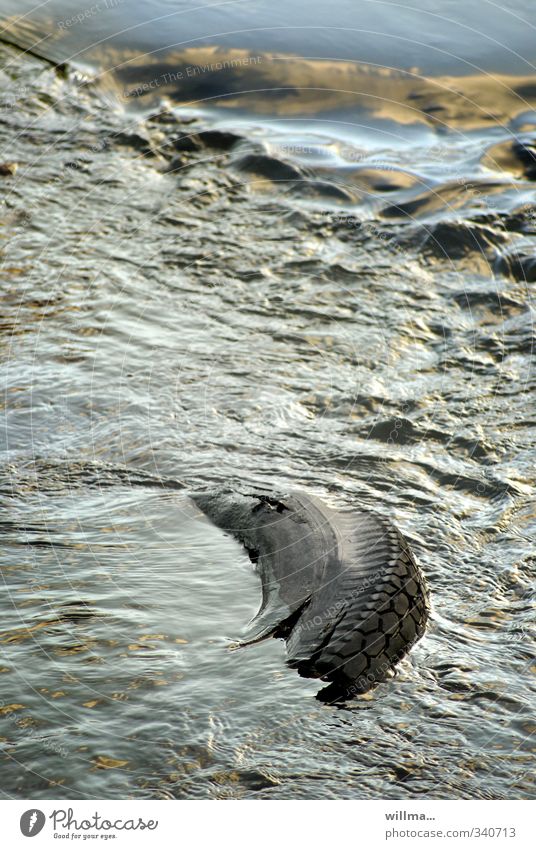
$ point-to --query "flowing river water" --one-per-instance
(241, 251)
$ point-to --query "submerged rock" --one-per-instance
(8, 169)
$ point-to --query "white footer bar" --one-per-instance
(269, 824)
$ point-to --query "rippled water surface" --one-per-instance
(329, 291)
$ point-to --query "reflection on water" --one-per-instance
(193, 299)
(433, 36)
(427, 64)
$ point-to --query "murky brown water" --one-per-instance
(286, 301)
